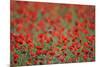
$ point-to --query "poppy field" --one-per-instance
(51, 33)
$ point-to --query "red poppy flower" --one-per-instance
(68, 17)
(86, 44)
(92, 26)
(41, 24)
(16, 56)
(19, 27)
(44, 52)
(64, 47)
(38, 52)
(31, 45)
(85, 57)
(32, 54)
(41, 36)
(39, 47)
(51, 53)
(64, 38)
(19, 40)
(34, 15)
(85, 31)
(22, 36)
(91, 38)
(17, 46)
(29, 40)
(61, 58)
(31, 26)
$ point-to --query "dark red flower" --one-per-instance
(51, 53)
